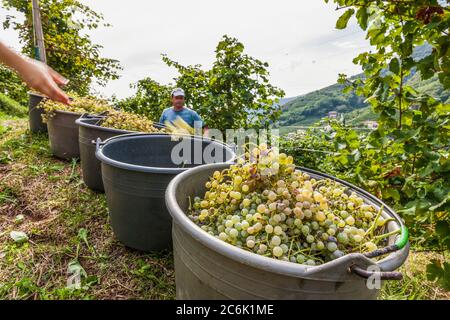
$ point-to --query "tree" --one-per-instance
(151, 99)
(70, 50)
(234, 93)
(407, 159)
(12, 86)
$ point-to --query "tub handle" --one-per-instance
(98, 144)
(382, 275)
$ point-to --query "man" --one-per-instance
(179, 110)
(36, 75)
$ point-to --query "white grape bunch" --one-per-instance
(265, 205)
(122, 120)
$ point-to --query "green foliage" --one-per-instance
(11, 107)
(440, 272)
(234, 93)
(310, 108)
(69, 49)
(341, 23)
(406, 160)
(309, 148)
(12, 86)
(357, 117)
(151, 99)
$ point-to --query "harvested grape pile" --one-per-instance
(266, 206)
(88, 105)
(128, 121)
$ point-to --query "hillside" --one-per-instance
(307, 109)
(311, 107)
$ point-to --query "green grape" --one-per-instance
(310, 262)
(223, 236)
(350, 220)
(277, 251)
(234, 233)
(357, 238)
(268, 229)
(342, 238)
(331, 246)
(278, 230)
(305, 230)
(300, 258)
(276, 240)
(320, 245)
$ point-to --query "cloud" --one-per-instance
(297, 38)
(345, 44)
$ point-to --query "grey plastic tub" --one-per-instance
(35, 114)
(136, 170)
(89, 131)
(63, 134)
(208, 268)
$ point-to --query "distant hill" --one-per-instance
(307, 109)
(310, 108)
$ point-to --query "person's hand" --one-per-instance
(44, 79)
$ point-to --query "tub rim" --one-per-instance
(137, 168)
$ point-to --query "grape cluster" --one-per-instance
(265, 205)
(128, 121)
(89, 105)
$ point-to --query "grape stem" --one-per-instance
(290, 248)
(374, 224)
(382, 236)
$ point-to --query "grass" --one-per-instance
(68, 230)
(67, 225)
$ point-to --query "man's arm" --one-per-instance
(37, 75)
(196, 118)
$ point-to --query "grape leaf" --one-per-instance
(341, 23)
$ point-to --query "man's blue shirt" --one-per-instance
(186, 114)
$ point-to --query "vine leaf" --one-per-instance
(341, 23)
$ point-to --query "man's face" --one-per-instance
(178, 101)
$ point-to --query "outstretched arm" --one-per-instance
(36, 75)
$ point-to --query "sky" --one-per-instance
(296, 37)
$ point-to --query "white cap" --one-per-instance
(177, 92)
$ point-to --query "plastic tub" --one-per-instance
(89, 131)
(136, 170)
(63, 134)
(35, 114)
(208, 268)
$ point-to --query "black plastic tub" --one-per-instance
(63, 134)
(209, 268)
(136, 170)
(89, 132)
(35, 113)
